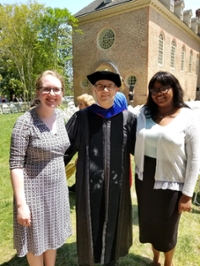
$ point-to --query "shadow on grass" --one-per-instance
(66, 256)
(196, 210)
(135, 214)
(134, 260)
(15, 261)
(196, 201)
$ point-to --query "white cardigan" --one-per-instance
(178, 152)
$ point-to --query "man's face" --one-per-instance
(105, 91)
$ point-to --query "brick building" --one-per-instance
(137, 38)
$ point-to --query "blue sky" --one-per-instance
(72, 5)
(75, 5)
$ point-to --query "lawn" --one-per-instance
(188, 248)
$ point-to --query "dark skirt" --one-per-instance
(157, 210)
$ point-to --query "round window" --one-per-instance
(106, 39)
(131, 80)
(84, 83)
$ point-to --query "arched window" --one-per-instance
(182, 58)
(160, 49)
(197, 64)
(173, 54)
(190, 62)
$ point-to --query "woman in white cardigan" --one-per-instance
(167, 158)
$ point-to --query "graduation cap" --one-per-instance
(105, 75)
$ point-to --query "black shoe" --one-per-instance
(72, 188)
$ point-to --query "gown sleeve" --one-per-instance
(132, 123)
(74, 129)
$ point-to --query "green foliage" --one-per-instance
(10, 83)
(188, 246)
(55, 42)
(34, 38)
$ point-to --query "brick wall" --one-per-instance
(135, 50)
(159, 24)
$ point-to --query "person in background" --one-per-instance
(4, 99)
(103, 134)
(41, 204)
(167, 157)
(15, 98)
(35, 102)
(84, 100)
(21, 98)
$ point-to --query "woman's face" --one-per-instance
(81, 105)
(162, 95)
(50, 94)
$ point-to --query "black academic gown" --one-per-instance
(103, 198)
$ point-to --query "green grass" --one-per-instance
(188, 248)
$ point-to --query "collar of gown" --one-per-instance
(107, 113)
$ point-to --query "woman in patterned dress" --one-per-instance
(41, 205)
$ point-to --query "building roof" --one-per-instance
(98, 5)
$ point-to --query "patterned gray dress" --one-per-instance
(40, 153)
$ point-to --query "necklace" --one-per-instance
(162, 116)
(168, 113)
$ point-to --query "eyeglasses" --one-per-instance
(101, 87)
(163, 89)
(47, 90)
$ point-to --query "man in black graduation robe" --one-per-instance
(104, 136)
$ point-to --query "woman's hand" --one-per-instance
(23, 211)
(185, 204)
(23, 215)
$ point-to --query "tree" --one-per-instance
(35, 38)
(56, 41)
(10, 83)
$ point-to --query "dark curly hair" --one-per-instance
(164, 78)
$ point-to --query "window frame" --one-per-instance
(197, 64)
(190, 62)
(131, 77)
(183, 58)
(84, 83)
(101, 37)
(161, 49)
(173, 54)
